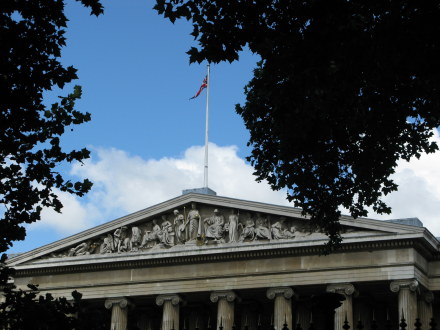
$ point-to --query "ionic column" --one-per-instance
(407, 290)
(225, 308)
(170, 313)
(346, 309)
(282, 306)
(119, 312)
(424, 308)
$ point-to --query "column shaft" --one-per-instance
(225, 314)
(119, 318)
(346, 309)
(170, 312)
(282, 306)
(225, 308)
(119, 313)
(424, 307)
(170, 316)
(282, 312)
(408, 306)
(407, 301)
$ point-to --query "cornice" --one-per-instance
(208, 257)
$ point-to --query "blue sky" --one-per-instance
(147, 138)
(137, 81)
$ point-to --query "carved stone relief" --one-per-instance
(193, 226)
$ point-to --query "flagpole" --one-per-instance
(206, 130)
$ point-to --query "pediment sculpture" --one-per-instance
(209, 226)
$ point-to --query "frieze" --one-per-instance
(192, 226)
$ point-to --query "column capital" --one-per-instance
(413, 285)
(122, 302)
(174, 298)
(344, 288)
(229, 295)
(286, 291)
(428, 296)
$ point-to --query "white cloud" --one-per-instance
(74, 216)
(124, 183)
(419, 190)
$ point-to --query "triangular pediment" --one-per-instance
(197, 224)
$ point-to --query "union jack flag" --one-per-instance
(204, 85)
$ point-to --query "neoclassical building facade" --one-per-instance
(201, 261)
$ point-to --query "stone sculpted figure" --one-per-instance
(80, 250)
(136, 238)
(153, 236)
(262, 230)
(278, 232)
(248, 230)
(297, 230)
(214, 226)
(289, 233)
(117, 237)
(107, 245)
(179, 227)
(167, 236)
(122, 241)
(193, 223)
(232, 227)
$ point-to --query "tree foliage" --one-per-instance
(31, 38)
(344, 89)
(29, 310)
